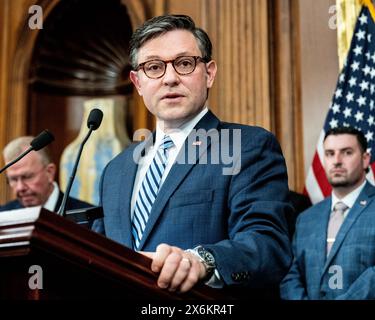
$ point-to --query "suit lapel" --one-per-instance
(187, 158)
(128, 178)
(361, 203)
(59, 200)
(321, 228)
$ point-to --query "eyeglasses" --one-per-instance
(155, 69)
(25, 178)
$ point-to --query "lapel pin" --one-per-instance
(363, 203)
(197, 143)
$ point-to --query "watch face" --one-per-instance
(207, 257)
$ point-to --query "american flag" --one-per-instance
(353, 102)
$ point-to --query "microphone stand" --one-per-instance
(40, 141)
(62, 209)
(17, 159)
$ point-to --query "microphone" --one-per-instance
(44, 138)
(93, 122)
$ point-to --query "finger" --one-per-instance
(162, 252)
(181, 274)
(192, 277)
(171, 265)
(147, 254)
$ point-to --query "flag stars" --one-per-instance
(370, 121)
(357, 50)
(338, 93)
(355, 66)
(364, 85)
(363, 19)
(369, 136)
(353, 103)
(352, 81)
(360, 35)
(347, 112)
(335, 108)
(350, 97)
(366, 70)
(359, 116)
(361, 101)
(333, 123)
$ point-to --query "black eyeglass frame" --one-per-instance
(165, 62)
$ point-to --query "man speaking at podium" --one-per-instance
(32, 179)
(204, 199)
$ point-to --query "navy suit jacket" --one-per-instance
(348, 272)
(240, 218)
(71, 204)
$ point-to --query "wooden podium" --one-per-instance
(76, 263)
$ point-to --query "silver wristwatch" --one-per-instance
(207, 259)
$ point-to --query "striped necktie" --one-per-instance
(149, 190)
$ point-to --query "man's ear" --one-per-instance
(366, 160)
(211, 68)
(51, 171)
(134, 78)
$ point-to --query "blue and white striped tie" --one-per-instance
(149, 190)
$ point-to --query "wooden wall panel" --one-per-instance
(319, 69)
(258, 82)
(17, 44)
(4, 56)
(239, 32)
(14, 57)
(286, 91)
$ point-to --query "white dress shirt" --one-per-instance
(53, 198)
(178, 137)
(349, 199)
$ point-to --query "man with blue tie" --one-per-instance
(204, 199)
(334, 242)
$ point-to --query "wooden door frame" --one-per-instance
(16, 107)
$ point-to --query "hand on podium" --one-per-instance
(178, 270)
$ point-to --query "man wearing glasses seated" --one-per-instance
(32, 179)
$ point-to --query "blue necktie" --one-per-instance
(149, 190)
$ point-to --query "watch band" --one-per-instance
(206, 258)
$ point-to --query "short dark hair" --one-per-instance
(349, 130)
(159, 25)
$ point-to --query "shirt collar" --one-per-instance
(350, 198)
(179, 135)
(53, 198)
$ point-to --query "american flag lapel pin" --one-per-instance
(197, 143)
(363, 203)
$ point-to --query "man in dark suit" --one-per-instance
(32, 179)
(204, 199)
(334, 246)
(300, 203)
